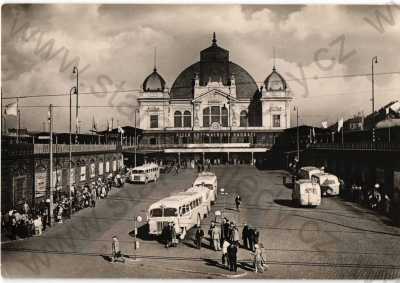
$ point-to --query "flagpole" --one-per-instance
(17, 121)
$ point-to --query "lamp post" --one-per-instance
(373, 61)
(76, 71)
(136, 110)
(298, 134)
(136, 220)
(71, 91)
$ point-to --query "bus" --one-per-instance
(306, 193)
(329, 183)
(307, 171)
(185, 210)
(208, 180)
(145, 173)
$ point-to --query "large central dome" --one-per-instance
(214, 65)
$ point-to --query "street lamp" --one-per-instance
(136, 110)
(76, 71)
(298, 135)
(374, 61)
(136, 220)
(71, 91)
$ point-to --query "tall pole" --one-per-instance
(51, 163)
(298, 135)
(135, 138)
(73, 89)
(76, 71)
(374, 60)
(18, 123)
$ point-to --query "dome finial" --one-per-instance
(214, 41)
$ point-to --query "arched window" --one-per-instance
(243, 119)
(206, 117)
(178, 119)
(215, 114)
(187, 119)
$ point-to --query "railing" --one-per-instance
(64, 148)
(358, 146)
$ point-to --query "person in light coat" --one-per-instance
(258, 259)
(216, 237)
(225, 258)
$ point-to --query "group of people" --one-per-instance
(25, 222)
(169, 235)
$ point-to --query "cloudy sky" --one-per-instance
(324, 52)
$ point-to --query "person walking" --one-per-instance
(235, 235)
(174, 239)
(232, 257)
(116, 252)
(258, 259)
(245, 236)
(199, 236)
(251, 237)
(216, 237)
(94, 196)
(225, 258)
(237, 202)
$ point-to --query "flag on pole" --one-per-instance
(340, 124)
(94, 126)
(324, 124)
(120, 130)
(108, 126)
(11, 109)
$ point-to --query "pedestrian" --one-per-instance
(94, 197)
(245, 236)
(237, 202)
(174, 239)
(26, 208)
(230, 232)
(167, 235)
(258, 259)
(199, 236)
(225, 258)
(116, 252)
(232, 256)
(38, 225)
(210, 234)
(226, 229)
(251, 238)
(216, 237)
(235, 235)
(256, 236)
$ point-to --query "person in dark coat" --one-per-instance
(256, 236)
(238, 200)
(251, 237)
(167, 235)
(245, 236)
(226, 229)
(199, 236)
(232, 256)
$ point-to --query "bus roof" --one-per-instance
(145, 166)
(177, 200)
(205, 179)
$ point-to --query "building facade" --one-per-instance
(213, 101)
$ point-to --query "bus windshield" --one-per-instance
(156, 212)
(137, 171)
(166, 212)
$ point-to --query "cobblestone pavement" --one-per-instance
(334, 241)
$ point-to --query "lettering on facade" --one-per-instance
(40, 184)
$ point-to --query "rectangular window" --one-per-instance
(153, 121)
(276, 121)
(206, 121)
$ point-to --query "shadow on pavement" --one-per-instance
(212, 262)
(246, 266)
(285, 202)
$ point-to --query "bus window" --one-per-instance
(156, 212)
(170, 212)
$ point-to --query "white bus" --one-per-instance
(145, 173)
(307, 171)
(185, 209)
(329, 183)
(306, 193)
(208, 180)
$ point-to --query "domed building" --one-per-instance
(214, 106)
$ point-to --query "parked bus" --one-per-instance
(329, 183)
(307, 171)
(185, 209)
(145, 173)
(208, 180)
(306, 193)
